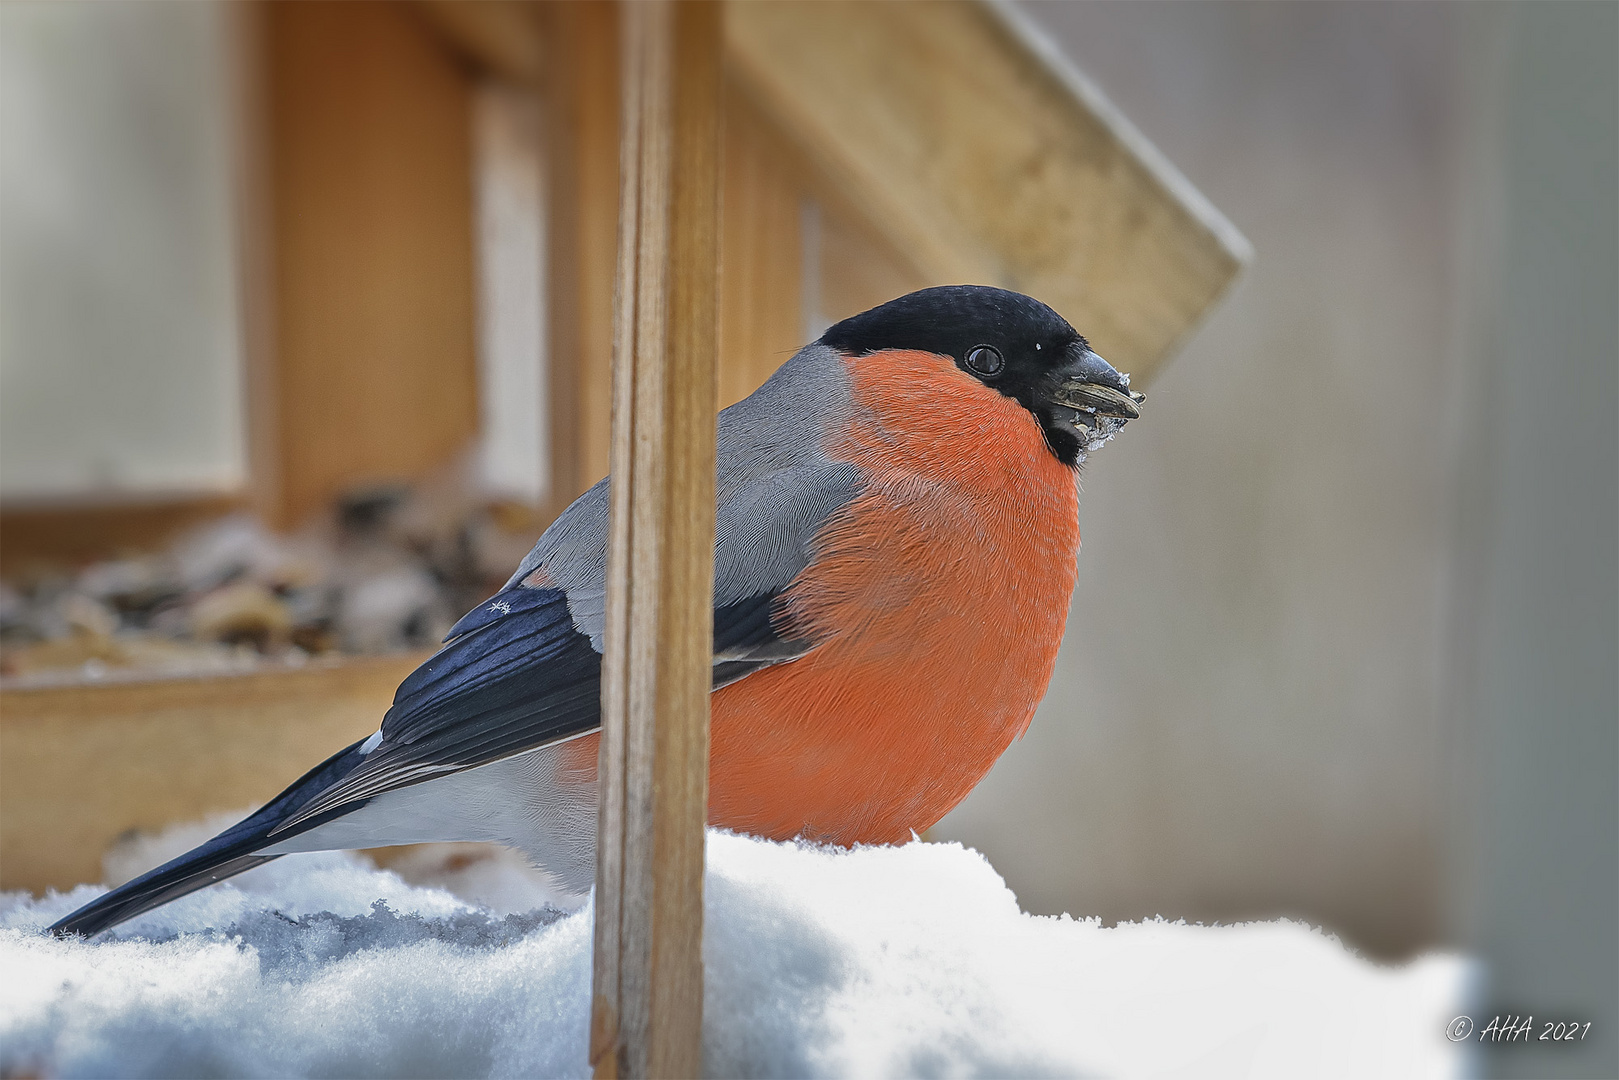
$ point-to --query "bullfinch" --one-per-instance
(896, 541)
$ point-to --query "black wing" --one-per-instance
(519, 672)
(515, 675)
(519, 675)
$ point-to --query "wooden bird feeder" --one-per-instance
(868, 150)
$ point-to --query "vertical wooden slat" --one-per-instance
(647, 1003)
(371, 197)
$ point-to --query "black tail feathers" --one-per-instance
(231, 852)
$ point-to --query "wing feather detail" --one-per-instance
(520, 678)
(523, 669)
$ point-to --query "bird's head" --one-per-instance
(1013, 344)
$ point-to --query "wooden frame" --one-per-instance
(940, 141)
(84, 765)
(647, 998)
(966, 138)
(989, 159)
(371, 195)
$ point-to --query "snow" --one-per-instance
(913, 960)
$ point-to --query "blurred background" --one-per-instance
(1344, 639)
(304, 335)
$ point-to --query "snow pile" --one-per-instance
(875, 962)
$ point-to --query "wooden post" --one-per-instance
(647, 1002)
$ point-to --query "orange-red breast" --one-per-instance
(897, 530)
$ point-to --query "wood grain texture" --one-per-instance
(767, 180)
(647, 1000)
(370, 133)
(858, 267)
(986, 158)
(82, 765)
(503, 37)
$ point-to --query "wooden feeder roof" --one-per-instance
(963, 134)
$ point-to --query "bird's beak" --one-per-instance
(1090, 386)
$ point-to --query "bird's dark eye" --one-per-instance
(985, 359)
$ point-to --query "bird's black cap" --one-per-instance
(951, 319)
(1035, 350)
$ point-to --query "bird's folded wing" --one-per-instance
(522, 679)
(522, 670)
(764, 538)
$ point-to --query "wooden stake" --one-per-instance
(647, 1003)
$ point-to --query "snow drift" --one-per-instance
(902, 961)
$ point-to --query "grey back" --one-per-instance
(775, 486)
